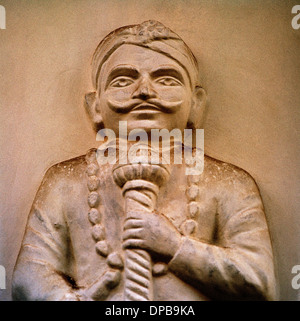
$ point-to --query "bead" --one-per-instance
(115, 260)
(98, 232)
(159, 269)
(93, 183)
(102, 248)
(188, 227)
(92, 169)
(193, 192)
(193, 209)
(93, 199)
(94, 216)
(194, 179)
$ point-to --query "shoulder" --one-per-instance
(68, 169)
(64, 178)
(235, 192)
(226, 176)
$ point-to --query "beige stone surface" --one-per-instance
(248, 55)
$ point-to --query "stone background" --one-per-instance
(249, 60)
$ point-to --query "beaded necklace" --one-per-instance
(114, 259)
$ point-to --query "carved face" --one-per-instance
(145, 88)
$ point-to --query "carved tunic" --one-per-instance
(225, 251)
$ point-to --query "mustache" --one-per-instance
(132, 104)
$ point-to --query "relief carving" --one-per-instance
(142, 230)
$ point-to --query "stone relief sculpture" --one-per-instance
(139, 230)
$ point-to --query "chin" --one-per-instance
(147, 125)
(148, 121)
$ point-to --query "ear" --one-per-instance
(197, 108)
(93, 109)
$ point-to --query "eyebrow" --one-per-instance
(168, 71)
(122, 70)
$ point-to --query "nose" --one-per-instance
(144, 90)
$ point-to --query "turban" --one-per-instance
(152, 35)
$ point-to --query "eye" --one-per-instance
(121, 82)
(169, 81)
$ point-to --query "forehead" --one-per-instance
(143, 59)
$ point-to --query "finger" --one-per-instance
(135, 233)
(132, 223)
(135, 215)
(112, 278)
(101, 288)
(134, 244)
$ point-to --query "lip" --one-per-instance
(145, 108)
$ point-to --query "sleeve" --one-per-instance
(41, 272)
(238, 265)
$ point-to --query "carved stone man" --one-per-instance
(205, 237)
